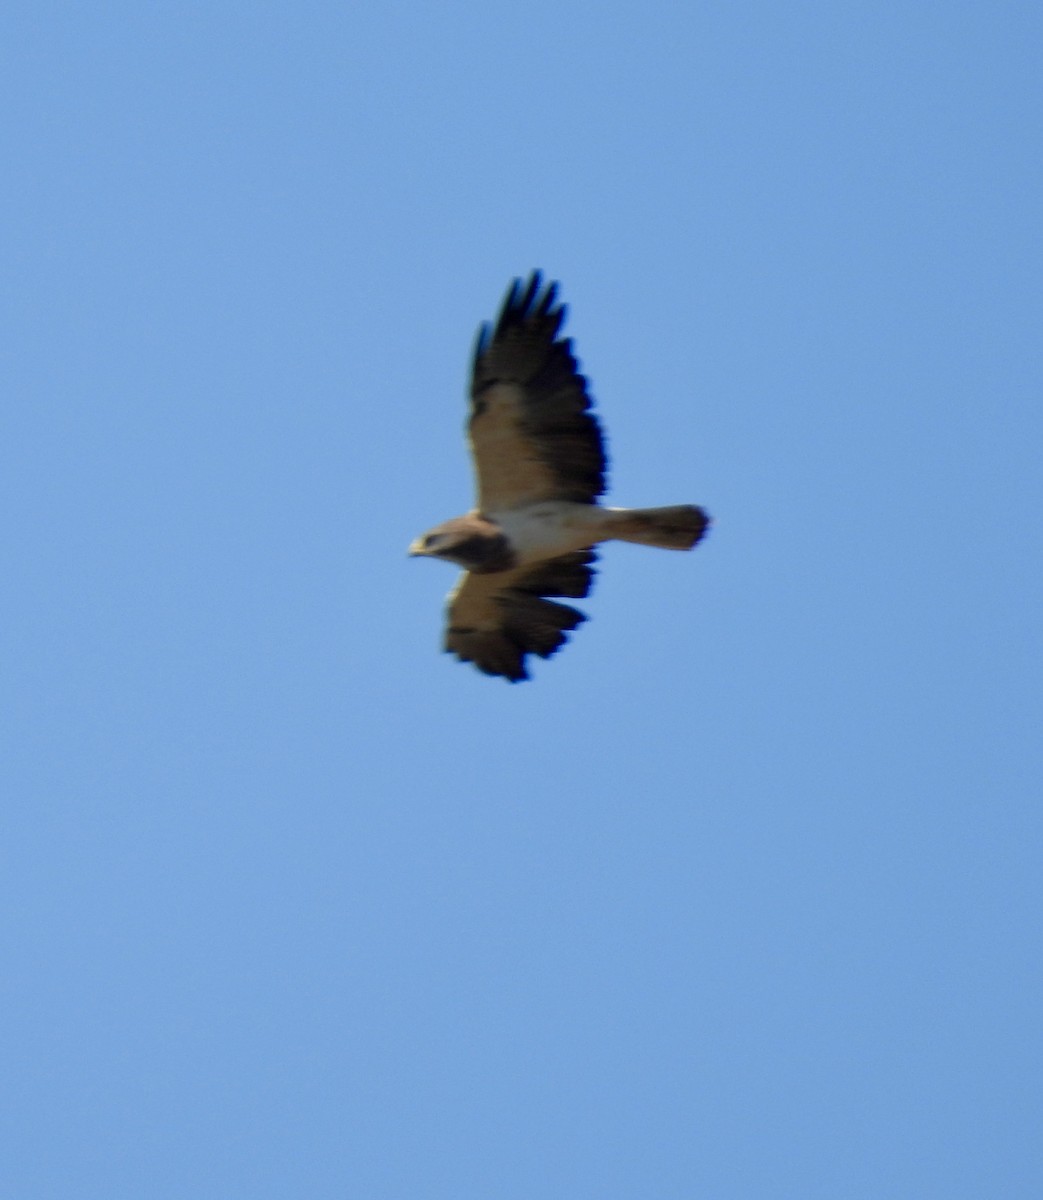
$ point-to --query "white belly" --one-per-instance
(541, 531)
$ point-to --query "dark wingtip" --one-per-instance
(481, 343)
(531, 291)
(546, 303)
(527, 298)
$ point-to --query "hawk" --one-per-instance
(540, 464)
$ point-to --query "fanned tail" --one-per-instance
(677, 527)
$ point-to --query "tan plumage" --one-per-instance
(532, 436)
(496, 619)
(540, 467)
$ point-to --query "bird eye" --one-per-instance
(430, 540)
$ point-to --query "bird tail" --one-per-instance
(678, 527)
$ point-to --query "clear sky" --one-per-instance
(741, 895)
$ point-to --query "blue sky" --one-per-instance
(740, 897)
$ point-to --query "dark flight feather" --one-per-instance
(553, 424)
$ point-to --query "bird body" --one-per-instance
(535, 532)
(540, 467)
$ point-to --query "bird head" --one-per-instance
(472, 542)
(438, 543)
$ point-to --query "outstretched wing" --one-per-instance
(496, 620)
(532, 435)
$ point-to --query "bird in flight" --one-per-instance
(539, 463)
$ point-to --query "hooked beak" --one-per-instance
(416, 548)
